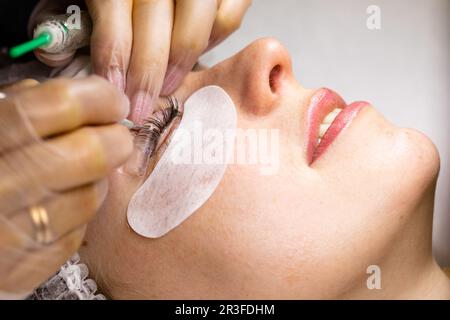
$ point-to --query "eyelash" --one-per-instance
(148, 135)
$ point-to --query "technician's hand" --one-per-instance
(147, 47)
(58, 141)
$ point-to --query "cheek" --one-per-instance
(252, 228)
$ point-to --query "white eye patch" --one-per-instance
(190, 169)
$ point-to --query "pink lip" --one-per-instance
(322, 103)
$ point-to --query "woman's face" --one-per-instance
(310, 228)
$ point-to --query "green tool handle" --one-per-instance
(42, 40)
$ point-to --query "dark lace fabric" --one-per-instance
(70, 283)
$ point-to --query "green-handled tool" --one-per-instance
(41, 40)
(56, 35)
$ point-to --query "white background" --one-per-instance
(403, 69)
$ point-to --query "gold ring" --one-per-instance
(39, 217)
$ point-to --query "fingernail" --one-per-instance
(116, 77)
(137, 164)
(101, 189)
(127, 107)
(174, 75)
(141, 106)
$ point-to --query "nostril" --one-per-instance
(274, 78)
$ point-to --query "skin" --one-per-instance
(308, 231)
(167, 36)
(63, 146)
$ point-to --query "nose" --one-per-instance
(261, 72)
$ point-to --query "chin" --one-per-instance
(421, 158)
(415, 165)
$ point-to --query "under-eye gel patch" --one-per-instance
(191, 168)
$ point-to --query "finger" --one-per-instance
(229, 18)
(152, 29)
(13, 129)
(62, 105)
(112, 39)
(66, 212)
(85, 156)
(19, 86)
(32, 268)
(192, 29)
(62, 163)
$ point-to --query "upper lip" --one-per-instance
(322, 103)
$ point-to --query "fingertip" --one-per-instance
(106, 148)
(20, 86)
(141, 106)
(28, 83)
(101, 190)
(126, 106)
(118, 143)
(106, 94)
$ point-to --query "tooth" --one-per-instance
(331, 116)
(326, 123)
(323, 129)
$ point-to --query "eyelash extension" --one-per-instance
(148, 134)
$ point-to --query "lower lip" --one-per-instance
(342, 121)
(327, 102)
